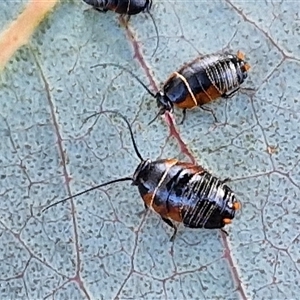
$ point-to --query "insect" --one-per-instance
(125, 7)
(178, 191)
(199, 82)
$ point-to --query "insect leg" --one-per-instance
(223, 230)
(171, 225)
(101, 10)
(211, 111)
(231, 94)
(124, 19)
(225, 180)
(143, 211)
(183, 116)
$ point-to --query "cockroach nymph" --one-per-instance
(178, 191)
(199, 82)
(124, 7)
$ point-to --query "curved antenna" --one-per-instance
(128, 71)
(127, 123)
(86, 191)
(160, 112)
(156, 31)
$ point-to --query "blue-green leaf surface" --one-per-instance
(97, 246)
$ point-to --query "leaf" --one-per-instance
(96, 246)
(19, 31)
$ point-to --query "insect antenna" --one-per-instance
(128, 71)
(160, 112)
(127, 123)
(86, 191)
(112, 181)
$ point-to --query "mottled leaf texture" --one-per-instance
(97, 246)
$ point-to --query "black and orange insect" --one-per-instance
(126, 7)
(178, 191)
(199, 82)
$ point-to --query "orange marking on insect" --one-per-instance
(170, 163)
(202, 98)
(174, 213)
(237, 206)
(187, 103)
(247, 67)
(240, 55)
(147, 199)
(208, 95)
(227, 221)
(193, 168)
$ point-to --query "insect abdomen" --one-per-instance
(207, 202)
(187, 193)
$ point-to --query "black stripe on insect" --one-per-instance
(178, 191)
(199, 82)
(125, 7)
